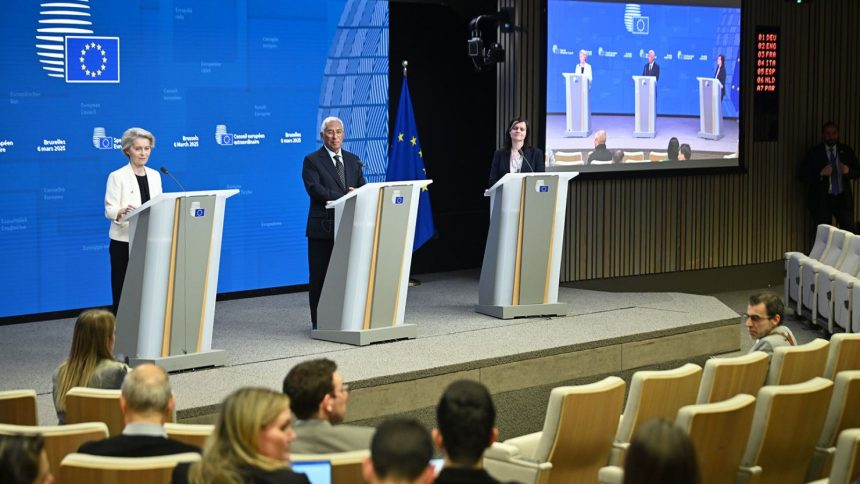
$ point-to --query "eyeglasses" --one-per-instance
(344, 388)
(754, 317)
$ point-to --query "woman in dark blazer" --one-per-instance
(721, 73)
(518, 156)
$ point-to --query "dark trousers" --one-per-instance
(118, 264)
(838, 206)
(319, 253)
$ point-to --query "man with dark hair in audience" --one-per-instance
(600, 152)
(465, 419)
(400, 452)
(147, 401)
(318, 397)
(764, 316)
(685, 153)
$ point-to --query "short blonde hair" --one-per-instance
(132, 134)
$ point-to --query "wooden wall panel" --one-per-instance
(648, 225)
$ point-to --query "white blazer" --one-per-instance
(587, 73)
(122, 191)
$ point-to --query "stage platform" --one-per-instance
(603, 333)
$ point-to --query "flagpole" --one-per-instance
(412, 281)
(404, 64)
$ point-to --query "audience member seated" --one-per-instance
(400, 453)
(763, 319)
(600, 152)
(685, 152)
(660, 452)
(618, 156)
(673, 149)
(465, 419)
(23, 460)
(91, 362)
(147, 402)
(250, 443)
(318, 397)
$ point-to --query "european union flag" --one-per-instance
(92, 59)
(405, 162)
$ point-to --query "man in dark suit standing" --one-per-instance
(651, 68)
(328, 174)
(828, 170)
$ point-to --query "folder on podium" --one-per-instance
(577, 105)
(167, 308)
(519, 276)
(645, 116)
(363, 298)
(710, 108)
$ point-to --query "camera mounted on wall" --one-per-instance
(485, 55)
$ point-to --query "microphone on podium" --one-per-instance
(163, 169)
(531, 168)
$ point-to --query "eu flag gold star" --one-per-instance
(400, 137)
(420, 155)
(414, 140)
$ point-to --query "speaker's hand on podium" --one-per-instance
(124, 211)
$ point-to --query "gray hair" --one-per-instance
(652, 52)
(132, 134)
(582, 51)
(147, 389)
(329, 120)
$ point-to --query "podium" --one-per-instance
(519, 276)
(167, 308)
(710, 108)
(363, 297)
(577, 105)
(645, 118)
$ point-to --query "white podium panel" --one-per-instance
(577, 102)
(645, 116)
(710, 108)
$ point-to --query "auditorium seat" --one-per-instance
(795, 364)
(793, 260)
(610, 475)
(719, 432)
(843, 413)
(345, 466)
(658, 155)
(601, 162)
(846, 462)
(98, 469)
(85, 404)
(568, 158)
(575, 441)
(825, 279)
(843, 302)
(192, 434)
(723, 378)
(61, 440)
(844, 354)
(809, 269)
(18, 407)
(654, 394)
(787, 422)
(634, 157)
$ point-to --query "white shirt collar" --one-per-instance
(331, 154)
(144, 428)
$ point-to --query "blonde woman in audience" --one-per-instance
(91, 362)
(250, 444)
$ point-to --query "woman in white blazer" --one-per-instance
(127, 188)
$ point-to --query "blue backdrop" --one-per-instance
(685, 39)
(263, 73)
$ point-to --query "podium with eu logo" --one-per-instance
(167, 308)
(363, 298)
(519, 276)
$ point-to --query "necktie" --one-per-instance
(341, 177)
(835, 187)
(582, 69)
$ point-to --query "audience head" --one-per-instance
(317, 391)
(660, 452)
(600, 137)
(618, 156)
(23, 460)
(146, 395)
(765, 312)
(400, 451)
(253, 429)
(518, 130)
(685, 152)
(465, 419)
(92, 341)
(674, 148)
(132, 134)
(830, 133)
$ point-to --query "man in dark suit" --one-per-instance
(600, 152)
(400, 452)
(147, 402)
(651, 68)
(828, 170)
(328, 174)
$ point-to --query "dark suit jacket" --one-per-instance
(136, 446)
(600, 153)
(250, 475)
(451, 475)
(721, 75)
(654, 72)
(819, 186)
(502, 163)
(321, 183)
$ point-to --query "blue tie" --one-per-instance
(835, 187)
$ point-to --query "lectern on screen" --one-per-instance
(710, 108)
(645, 116)
(577, 105)
(167, 308)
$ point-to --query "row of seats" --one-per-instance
(822, 285)
(577, 157)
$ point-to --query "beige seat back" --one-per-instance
(796, 364)
(61, 440)
(846, 463)
(18, 407)
(844, 354)
(95, 405)
(126, 470)
(787, 421)
(719, 432)
(345, 466)
(724, 378)
(634, 156)
(568, 158)
(843, 413)
(658, 155)
(192, 434)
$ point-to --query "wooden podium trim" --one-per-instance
(171, 283)
(518, 261)
(371, 281)
(551, 240)
(205, 288)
